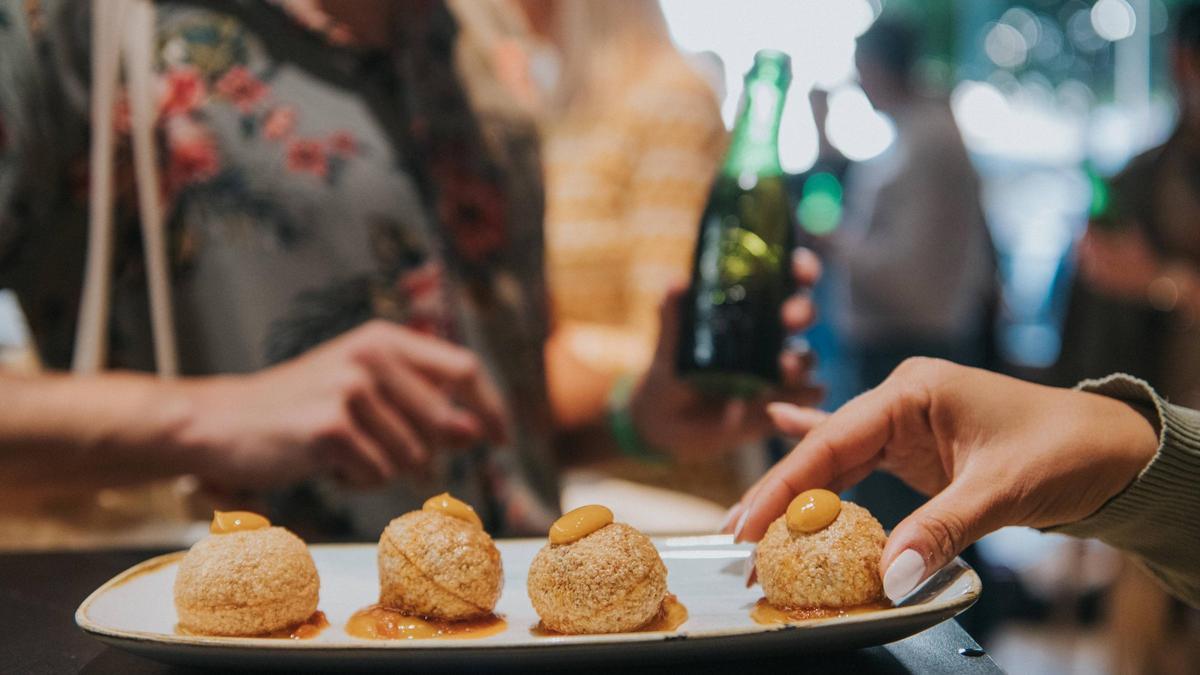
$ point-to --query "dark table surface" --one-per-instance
(40, 592)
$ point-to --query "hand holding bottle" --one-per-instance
(672, 415)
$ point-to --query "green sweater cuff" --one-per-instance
(1157, 517)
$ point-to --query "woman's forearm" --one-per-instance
(106, 429)
(1157, 518)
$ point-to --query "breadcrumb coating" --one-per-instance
(435, 565)
(610, 581)
(834, 567)
(246, 583)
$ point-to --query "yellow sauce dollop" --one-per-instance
(228, 522)
(452, 507)
(813, 511)
(579, 523)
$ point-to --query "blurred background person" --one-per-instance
(632, 135)
(1135, 308)
(326, 164)
(912, 258)
(1138, 305)
(913, 251)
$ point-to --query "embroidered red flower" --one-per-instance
(239, 85)
(183, 91)
(343, 143)
(279, 123)
(191, 159)
(473, 208)
(305, 155)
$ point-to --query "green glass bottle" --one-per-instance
(732, 332)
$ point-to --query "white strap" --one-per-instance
(91, 336)
(127, 25)
(139, 76)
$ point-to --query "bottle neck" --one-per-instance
(755, 145)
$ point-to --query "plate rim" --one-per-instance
(945, 609)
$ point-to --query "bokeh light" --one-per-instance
(854, 127)
(1113, 20)
(818, 34)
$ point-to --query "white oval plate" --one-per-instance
(135, 612)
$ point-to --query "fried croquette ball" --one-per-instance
(836, 566)
(438, 566)
(246, 583)
(609, 581)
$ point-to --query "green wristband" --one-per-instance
(620, 423)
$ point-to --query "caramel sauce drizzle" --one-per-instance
(384, 623)
(766, 614)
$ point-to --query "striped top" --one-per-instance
(624, 192)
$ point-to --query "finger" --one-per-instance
(731, 518)
(798, 313)
(669, 312)
(796, 367)
(850, 437)
(359, 461)
(479, 393)
(806, 267)
(932, 535)
(456, 367)
(795, 421)
(429, 408)
(855, 475)
(391, 431)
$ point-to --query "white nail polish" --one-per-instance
(729, 516)
(903, 575)
(741, 523)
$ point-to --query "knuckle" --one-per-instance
(336, 428)
(469, 366)
(356, 385)
(947, 532)
(922, 372)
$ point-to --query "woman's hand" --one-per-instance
(671, 415)
(990, 450)
(367, 405)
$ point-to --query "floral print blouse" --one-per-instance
(312, 185)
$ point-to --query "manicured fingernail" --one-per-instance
(903, 575)
(733, 512)
(741, 523)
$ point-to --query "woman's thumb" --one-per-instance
(930, 537)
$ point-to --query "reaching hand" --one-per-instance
(671, 415)
(375, 401)
(990, 450)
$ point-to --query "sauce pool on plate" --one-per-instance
(766, 614)
(383, 623)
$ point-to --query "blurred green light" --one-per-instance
(820, 209)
